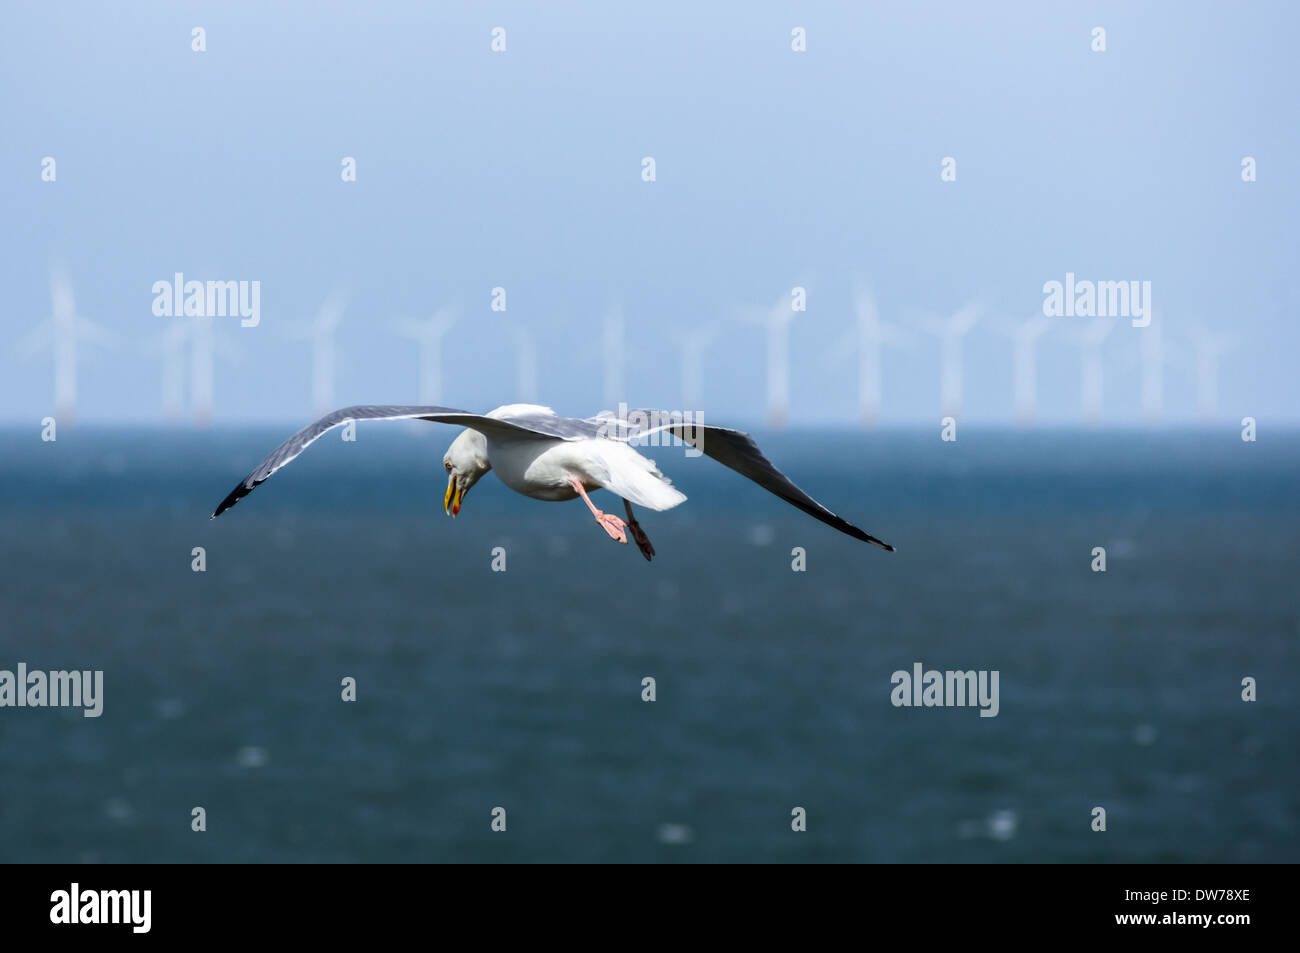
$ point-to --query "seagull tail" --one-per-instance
(636, 478)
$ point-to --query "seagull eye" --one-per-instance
(447, 464)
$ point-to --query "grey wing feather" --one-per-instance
(304, 438)
(562, 428)
(737, 450)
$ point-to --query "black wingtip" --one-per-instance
(237, 494)
(868, 538)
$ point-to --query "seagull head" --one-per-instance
(465, 461)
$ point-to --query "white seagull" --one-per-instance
(537, 453)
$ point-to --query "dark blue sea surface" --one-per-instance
(523, 689)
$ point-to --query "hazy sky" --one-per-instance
(774, 168)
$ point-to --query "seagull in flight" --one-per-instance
(545, 456)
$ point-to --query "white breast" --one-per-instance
(539, 468)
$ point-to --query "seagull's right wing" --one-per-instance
(287, 451)
(737, 450)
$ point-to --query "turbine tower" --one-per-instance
(205, 347)
(950, 333)
(1149, 360)
(694, 342)
(1153, 361)
(63, 332)
(866, 339)
(201, 377)
(1024, 366)
(320, 332)
(170, 348)
(872, 333)
(775, 320)
(778, 363)
(428, 334)
(1209, 347)
(1092, 371)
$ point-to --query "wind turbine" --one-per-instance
(170, 347)
(1092, 372)
(1209, 347)
(950, 333)
(320, 331)
(205, 345)
(62, 332)
(428, 334)
(1024, 365)
(694, 341)
(776, 320)
(1153, 361)
(1149, 359)
(866, 338)
(778, 363)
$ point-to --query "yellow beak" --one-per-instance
(451, 501)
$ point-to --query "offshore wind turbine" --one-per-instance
(205, 347)
(1092, 371)
(950, 333)
(776, 323)
(779, 318)
(866, 339)
(1150, 359)
(1024, 366)
(201, 377)
(428, 334)
(1209, 347)
(169, 346)
(320, 332)
(872, 335)
(693, 342)
(1153, 360)
(63, 332)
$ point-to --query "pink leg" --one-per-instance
(608, 521)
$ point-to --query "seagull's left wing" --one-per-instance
(287, 451)
(737, 450)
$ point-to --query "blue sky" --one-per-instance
(522, 169)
